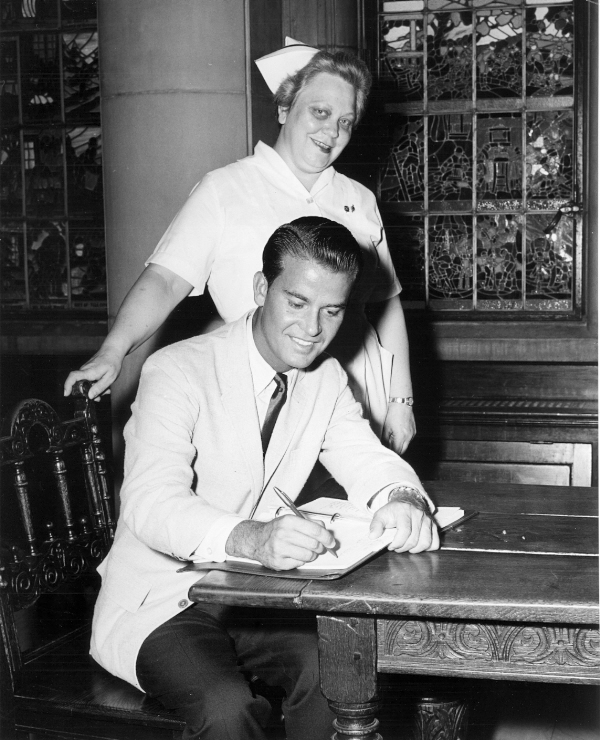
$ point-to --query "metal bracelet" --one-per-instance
(409, 401)
(409, 495)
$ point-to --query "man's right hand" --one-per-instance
(103, 368)
(281, 544)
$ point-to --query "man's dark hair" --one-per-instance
(312, 238)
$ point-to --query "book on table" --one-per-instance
(350, 527)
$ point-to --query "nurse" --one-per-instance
(217, 238)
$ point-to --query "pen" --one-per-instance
(288, 501)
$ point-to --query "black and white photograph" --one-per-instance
(299, 370)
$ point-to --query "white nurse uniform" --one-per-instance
(217, 239)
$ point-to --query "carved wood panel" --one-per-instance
(531, 652)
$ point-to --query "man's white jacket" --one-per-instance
(194, 454)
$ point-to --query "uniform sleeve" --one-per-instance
(386, 284)
(188, 246)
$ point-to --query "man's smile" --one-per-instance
(302, 342)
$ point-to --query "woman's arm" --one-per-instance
(388, 319)
(151, 299)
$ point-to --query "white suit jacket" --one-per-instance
(193, 453)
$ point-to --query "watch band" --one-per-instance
(409, 495)
(409, 401)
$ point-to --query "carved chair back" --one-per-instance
(40, 557)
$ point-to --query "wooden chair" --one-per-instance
(57, 526)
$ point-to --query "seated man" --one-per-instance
(197, 469)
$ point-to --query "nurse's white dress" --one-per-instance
(217, 239)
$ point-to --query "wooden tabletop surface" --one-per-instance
(495, 584)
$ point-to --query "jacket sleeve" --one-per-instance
(354, 455)
(159, 503)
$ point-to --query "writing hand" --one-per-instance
(281, 544)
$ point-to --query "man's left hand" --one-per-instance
(416, 531)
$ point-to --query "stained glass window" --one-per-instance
(480, 187)
(51, 200)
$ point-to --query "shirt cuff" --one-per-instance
(381, 497)
(212, 547)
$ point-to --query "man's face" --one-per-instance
(300, 313)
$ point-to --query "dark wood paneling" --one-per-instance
(266, 35)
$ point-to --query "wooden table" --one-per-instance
(512, 594)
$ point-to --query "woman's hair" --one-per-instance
(312, 238)
(340, 64)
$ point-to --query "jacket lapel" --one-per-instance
(237, 395)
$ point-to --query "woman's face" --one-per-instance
(317, 127)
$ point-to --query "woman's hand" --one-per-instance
(151, 299)
(104, 368)
(399, 427)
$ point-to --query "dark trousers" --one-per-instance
(195, 665)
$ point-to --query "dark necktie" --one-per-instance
(275, 406)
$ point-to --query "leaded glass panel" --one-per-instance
(410, 260)
(11, 182)
(47, 264)
(80, 73)
(403, 174)
(449, 56)
(87, 266)
(549, 59)
(499, 55)
(51, 201)
(40, 78)
(14, 290)
(450, 265)
(9, 81)
(549, 266)
(499, 157)
(499, 264)
(450, 160)
(483, 152)
(78, 11)
(44, 172)
(401, 62)
(550, 154)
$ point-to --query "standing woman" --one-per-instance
(217, 238)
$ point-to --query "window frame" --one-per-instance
(526, 338)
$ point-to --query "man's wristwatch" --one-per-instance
(396, 399)
(409, 495)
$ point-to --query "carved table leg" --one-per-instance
(348, 666)
(439, 719)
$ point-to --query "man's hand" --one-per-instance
(416, 530)
(281, 544)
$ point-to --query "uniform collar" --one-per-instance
(266, 155)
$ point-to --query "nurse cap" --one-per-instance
(278, 65)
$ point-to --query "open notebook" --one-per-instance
(350, 527)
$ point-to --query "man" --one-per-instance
(204, 452)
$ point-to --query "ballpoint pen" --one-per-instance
(288, 502)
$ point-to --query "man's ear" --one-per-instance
(282, 114)
(261, 288)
